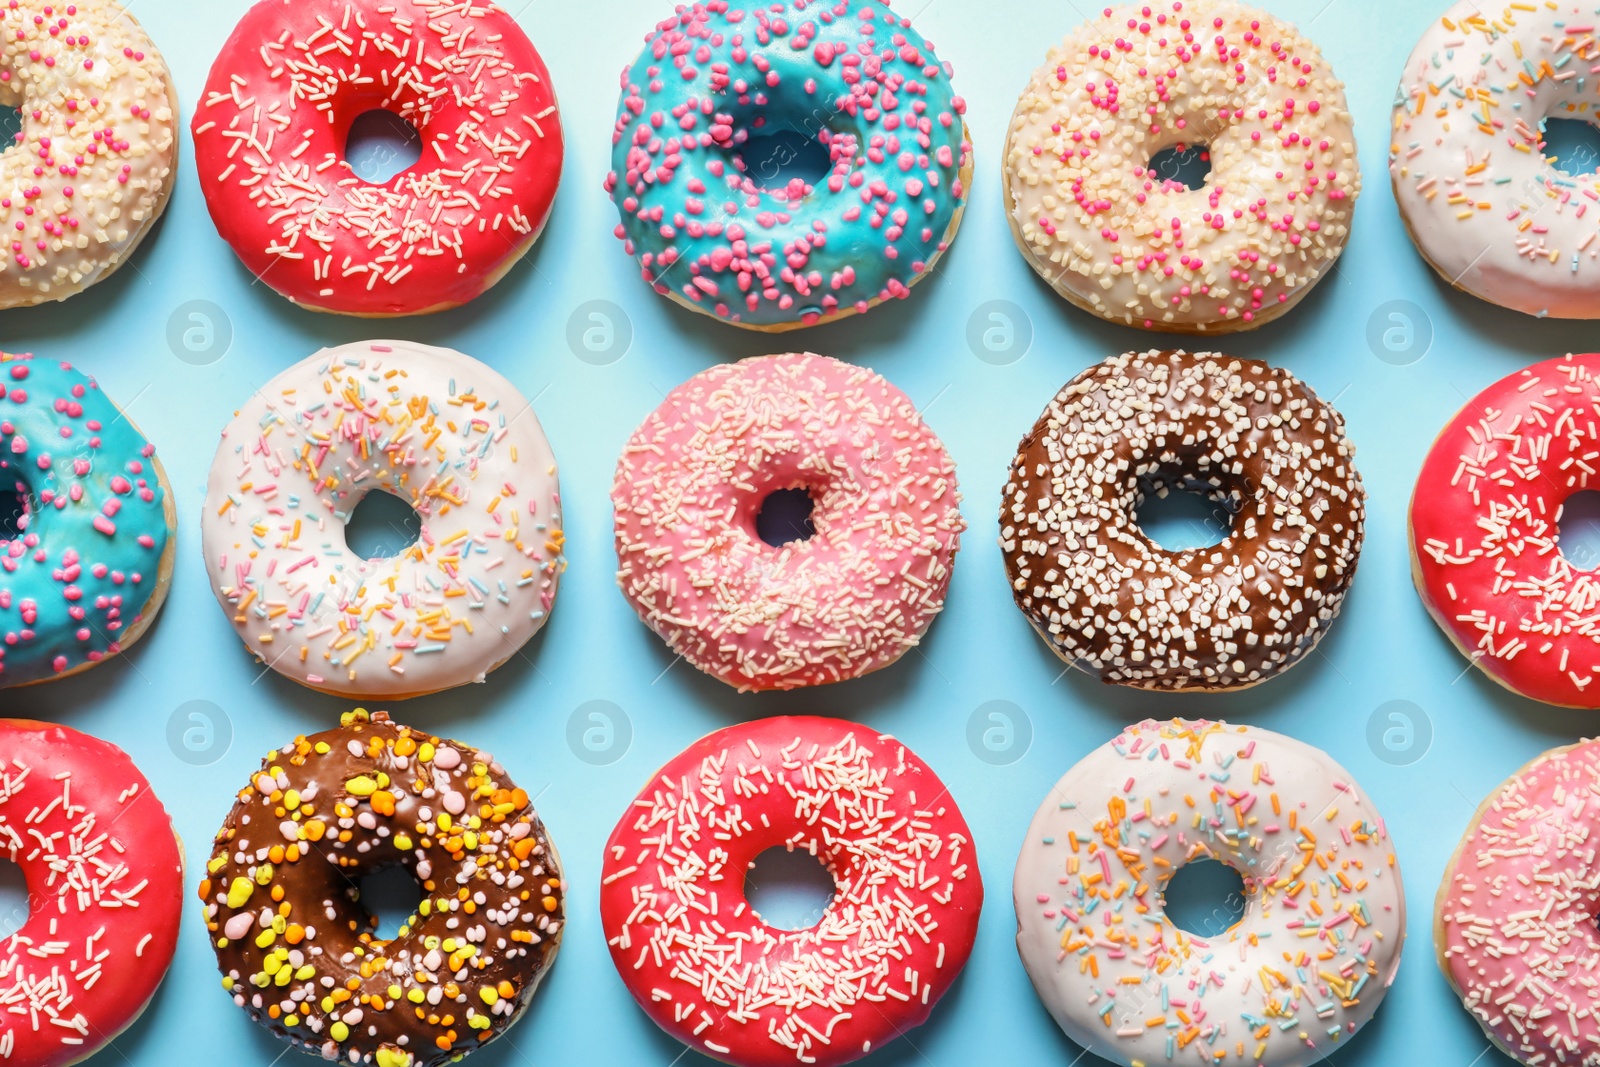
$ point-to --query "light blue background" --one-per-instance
(1383, 648)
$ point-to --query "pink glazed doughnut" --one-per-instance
(1513, 923)
(851, 598)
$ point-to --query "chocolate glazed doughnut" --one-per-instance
(1253, 438)
(296, 948)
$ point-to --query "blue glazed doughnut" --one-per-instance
(85, 572)
(695, 212)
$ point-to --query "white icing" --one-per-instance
(445, 433)
(1106, 961)
(1483, 205)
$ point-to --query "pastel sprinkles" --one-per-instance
(442, 432)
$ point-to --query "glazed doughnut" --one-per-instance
(270, 136)
(96, 160)
(1253, 438)
(1512, 927)
(853, 597)
(296, 948)
(104, 870)
(706, 229)
(1116, 239)
(440, 431)
(1291, 981)
(1485, 539)
(89, 567)
(1482, 203)
(704, 965)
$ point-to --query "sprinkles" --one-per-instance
(1119, 238)
(1488, 209)
(437, 429)
(296, 948)
(1324, 911)
(105, 889)
(93, 166)
(853, 597)
(1258, 442)
(1514, 918)
(697, 166)
(1485, 537)
(270, 136)
(89, 567)
(701, 962)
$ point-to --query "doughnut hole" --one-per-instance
(10, 125)
(1204, 898)
(775, 159)
(14, 904)
(380, 145)
(13, 511)
(1197, 516)
(389, 896)
(382, 526)
(1572, 146)
(1181, 166)
(784, 517)
(788, 889)
(1578, 529)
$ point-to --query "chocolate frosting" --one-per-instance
(1108, 599)
(295, 945)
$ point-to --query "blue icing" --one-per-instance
(86, 559)
(852, 75)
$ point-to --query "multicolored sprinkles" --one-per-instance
(440, 431)
(1488, 209)
(1324, 910)
(297, 949)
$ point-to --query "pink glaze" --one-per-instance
(1484, 533)
(105, 888)
(852, 598)
(1515, 926)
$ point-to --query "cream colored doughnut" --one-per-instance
(1486, 209)
(96, 159)
(441, 431)
(1118, 241)
(1324, 916)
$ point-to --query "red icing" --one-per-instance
(436, 235)
(105, 886)
(1484, 531)
(711, 973)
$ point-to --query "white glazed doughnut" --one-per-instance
(1485, 209)
(441, 431)
(1324, 917)
(96, 159)
(1120, 241)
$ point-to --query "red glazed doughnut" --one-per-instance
(1484, 539)
(105, 887)
(270, 137)
(700, 961)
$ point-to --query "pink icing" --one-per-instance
(1516, 911)
(852, 598)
